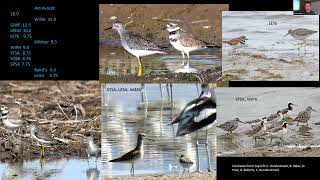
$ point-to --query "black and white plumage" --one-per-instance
(277, 132)
(185, 42)
(199, 113)
(12, 124)
(287, 111)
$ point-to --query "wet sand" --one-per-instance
(37, 102)
(195, 176)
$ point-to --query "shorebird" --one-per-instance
(287, 111)
(236, 43)
(258, 131)
(135, 154)
(42, 137)
(300, 34)
(11, 124)
(304, 116)
(197, 114)
(186, 42)
(92, 149)
(135, 44)
(254, 121)
(275, 117)
(185, 162)
(230, 126)
(277, 132)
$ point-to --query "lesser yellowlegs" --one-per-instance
(42, 137)
(135, 44)
(300, 34)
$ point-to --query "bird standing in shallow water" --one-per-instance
(134, 155)
(136, 45)
(92, 149)
(304, 116)
(185, 162)
(197, 114)
(230, 126)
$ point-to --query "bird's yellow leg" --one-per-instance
(140, 71)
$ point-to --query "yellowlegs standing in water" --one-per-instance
(135, 154)
(300, 34)
(236, 43)
(10, 124)
(304, 116)
(186, 42)
(185, 162)
(42, 137)
(92, 149)
(277, 132)
(197, 114)
(258, 131)
(135, 44)
(230, 126)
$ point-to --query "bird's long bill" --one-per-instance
(286, 35)
(108, 28)
(314, 110)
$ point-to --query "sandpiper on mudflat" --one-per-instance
(135, 44)
(277, 132)
(10, 124)
(300, 34)
(92, 149)
(42, 137)
(135, 154)
(230, 125)
(186, 42)
(258, 131)
(199, 113)
(304, 116)
(185, 162)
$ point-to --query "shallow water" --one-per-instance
(265, 101)
(265, 32)
(127, 113)
(61, 168)
(116, 61)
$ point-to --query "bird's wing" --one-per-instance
(189, 106)
(40, 134)
(187, 39)
(254, 130)
(197, 117)
(274, 130)
(304, 32)
(136, 41)
(226, 124)
(271, 117)
(253, 121)
(285, 111)
(301, 115)
(133, 154)
(186, 160)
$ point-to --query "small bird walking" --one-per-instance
(304, 116)
(230, 126)
(185, 162)
(42, 137)
(136, 45)
(236, 43)
(134, 155)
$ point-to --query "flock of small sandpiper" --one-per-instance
(273, 127)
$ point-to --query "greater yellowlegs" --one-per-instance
(304, 116)
(11, 124)
(185, 162)
(277, 132)
(135, 154)
(230, 125)
(199, 113)
(135, 44)
(42, 137)
(186, 42)
(300, 34)
(92, 149)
